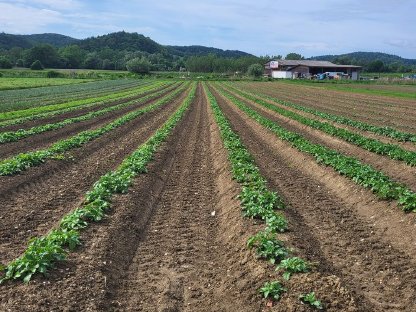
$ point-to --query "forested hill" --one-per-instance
(196, 50)
(120, 41)
(363, 58)
(8, 41)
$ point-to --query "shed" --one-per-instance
(309, 68)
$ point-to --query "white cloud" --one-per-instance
(18, 19)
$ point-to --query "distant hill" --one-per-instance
(121, 41)
(196, 50)
(363, 58)
(8, 41)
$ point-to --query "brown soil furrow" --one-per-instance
(349, 107)
(39, 198)
(78, 112)
(43, 140)
(364, 241)
(397, 170)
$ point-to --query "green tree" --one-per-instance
(138, 65)
(255, 70)
(5, 62)
(294, 56)
(72, 55)
(36, 65)
(93, 61)
(45, 53)
(375, 66)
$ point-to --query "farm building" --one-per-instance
(306, 69)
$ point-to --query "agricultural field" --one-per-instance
(163, 195)
(24, 83)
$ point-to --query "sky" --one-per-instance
(260, 27)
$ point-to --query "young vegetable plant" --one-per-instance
(310, 299)
(293, 265)
(268, 246)
(272, 290)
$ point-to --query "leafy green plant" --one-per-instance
(293, 265)
(268, 246)
(310, 299)
(272, 290)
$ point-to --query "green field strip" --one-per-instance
(384, 131)
(43, 252)
(257, 201)
(23, 161)
(362, 174)
(27, 83)
(392, 151)
(74, 108)
(43, 109)
(13, 136)
(12, 100)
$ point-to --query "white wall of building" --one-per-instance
(281, 74)
(354, 75)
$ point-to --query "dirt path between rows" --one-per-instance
(43, 140)
(33, 201)
(367, 243)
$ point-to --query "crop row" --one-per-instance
(393, 151)
(362, 174)
(384, 131)
(43, 252)
(22, 99)
(258, 202)
(91, 102)
(23, 161)
(77, 103)
(13, 136)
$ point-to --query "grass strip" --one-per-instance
(13, 136)
(43, 252)
(23, 161)
(384, 131)
(77, 103)
(393, 151)
(362, 174)
(257, 201)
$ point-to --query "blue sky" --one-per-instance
(259, 27)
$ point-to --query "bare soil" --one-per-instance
(177, 240)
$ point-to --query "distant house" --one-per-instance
(306, 69)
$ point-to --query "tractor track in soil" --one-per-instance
(32, 202)
(397, 170)
(160, 249)
(43, 140)
(363, 241)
